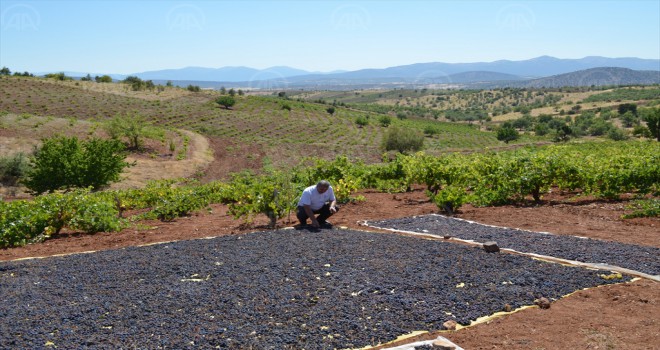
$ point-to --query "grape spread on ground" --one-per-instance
(286, 289)
(639, 258)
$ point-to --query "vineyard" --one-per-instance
(605, 169)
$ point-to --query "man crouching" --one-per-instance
(318, 199)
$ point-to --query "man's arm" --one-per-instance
(310, 214)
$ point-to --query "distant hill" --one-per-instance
(229, 74)
(594, 77)
(412, 75)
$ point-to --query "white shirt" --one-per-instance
(314, 199)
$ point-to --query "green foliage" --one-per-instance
(649, 93)
(450, 198)
(13, 168)
(644, 208)
(652, 118)
(274, 195)
(5, 71)
(384, 120)
(402, 140)
(58, 76)
(103, 79)
(67, 162)
(131, 127)
(23, 222)
(507, 134)
(617, 134)
(361, 121)
(330, 110)
(194, 88)
(225, 101)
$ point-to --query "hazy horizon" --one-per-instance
(124, 37)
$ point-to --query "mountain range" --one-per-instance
(534, 72)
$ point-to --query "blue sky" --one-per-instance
(126, 37)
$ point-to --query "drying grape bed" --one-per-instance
(287, 289)
(634, 257)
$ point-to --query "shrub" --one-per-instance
(617, 134)
(66, 162)
(225, 101)
(385, 120)
(361, 121)
(13, 168)
(402, 140)
(129, 126)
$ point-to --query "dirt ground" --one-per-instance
(624, 316)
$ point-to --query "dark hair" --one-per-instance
(323, 183)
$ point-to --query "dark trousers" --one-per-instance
(324, 214)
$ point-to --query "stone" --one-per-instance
(507, 308)
(542, 303)
(450, 325)
(491, 247)
(442, 344)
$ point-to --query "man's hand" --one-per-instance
(333, 209)
(315, 223)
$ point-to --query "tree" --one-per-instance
(128, 126)
(86, 78)
(330, 110)
(507, 133)
(652, 118)
(62, 163)
(225, 101)
(103, 79)
(628, 107)
(5, 71)
(402, 140)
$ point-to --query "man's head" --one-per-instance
(322, 186)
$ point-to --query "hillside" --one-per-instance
(602, 76)
(272, 130)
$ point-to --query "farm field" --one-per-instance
(259, 132)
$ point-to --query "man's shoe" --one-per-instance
(325, 224)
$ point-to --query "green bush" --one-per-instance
(13, 168)
(225, 101)
(67, 162)
(402, 140)
(132, 127)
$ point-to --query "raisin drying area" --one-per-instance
(285, 289)
(643, 259)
